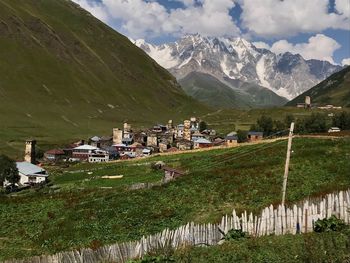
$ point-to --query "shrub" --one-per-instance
(234, 234)
(329, 224)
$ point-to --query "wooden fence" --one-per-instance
(281, 220)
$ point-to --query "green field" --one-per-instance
(82, 210)
(313, 247)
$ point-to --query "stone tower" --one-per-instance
(187, 130)
(127, 130)
(29, 154)
(117, 136)
(307, 102)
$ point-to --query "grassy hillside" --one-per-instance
(233, 94)
(334, 90)
(84, 210)
(65, 74)
(313, 247)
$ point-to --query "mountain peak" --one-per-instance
(286, 74)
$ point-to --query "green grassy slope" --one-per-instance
(65, 74)
(233, 94)
(312, 247)
(334, 90)
(85, 212)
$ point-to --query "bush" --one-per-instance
(329, 224)
(234, 234)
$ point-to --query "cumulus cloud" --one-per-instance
(345, 62)
(147, 19)
(274, 18)
(318, 47)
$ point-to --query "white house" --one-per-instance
(30, 174)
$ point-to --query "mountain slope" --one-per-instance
(334, 90)
(286, 74)
(64, 73)
(230, 94)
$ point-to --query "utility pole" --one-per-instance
(286, 168)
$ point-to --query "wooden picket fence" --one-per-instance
(299, 218)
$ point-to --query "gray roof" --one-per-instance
(29, 169)
(95, 139)
(255, 133)
(202, 140)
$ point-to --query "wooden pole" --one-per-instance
(286, 168)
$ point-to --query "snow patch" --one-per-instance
(260, 71)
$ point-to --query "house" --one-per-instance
(82, 152)
(231, 139)
(95, 141)
(98, 156)
(163, 146)
(179, 133)
(255, 136)
(202, 143)
(30, 174)
(106, 141)
(197, 135)
(127, 141)
(54, 155)
(171, 174)
(125, 149)
(184, 145)
(333, 129)
(152, 139)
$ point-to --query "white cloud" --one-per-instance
(275, 18)
(260, 44)
(96, 9)
(147, 19)
(345, 62)
(343, 7)
(318, 47)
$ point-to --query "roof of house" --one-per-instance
(232, 133)
(202, 141)
(55, 152)
(85, 147)
(29, 168)
(173, 170)
(119, 145)
(255, 133)
(95, 139)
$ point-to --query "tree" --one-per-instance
(8, 170)
(288, 120)
(264, 124)
(202, 126)
(242, 136)
(342, 120)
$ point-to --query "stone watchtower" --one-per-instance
(187, 130)
(117, 136)
(29, 154)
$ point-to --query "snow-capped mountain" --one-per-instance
(286, 74)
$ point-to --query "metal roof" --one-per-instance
(202, 140)
(85, 147)
(29, 168)
(255, 133)
(95, 139)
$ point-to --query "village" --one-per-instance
(126, 144)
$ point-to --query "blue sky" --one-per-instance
(318, 29)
